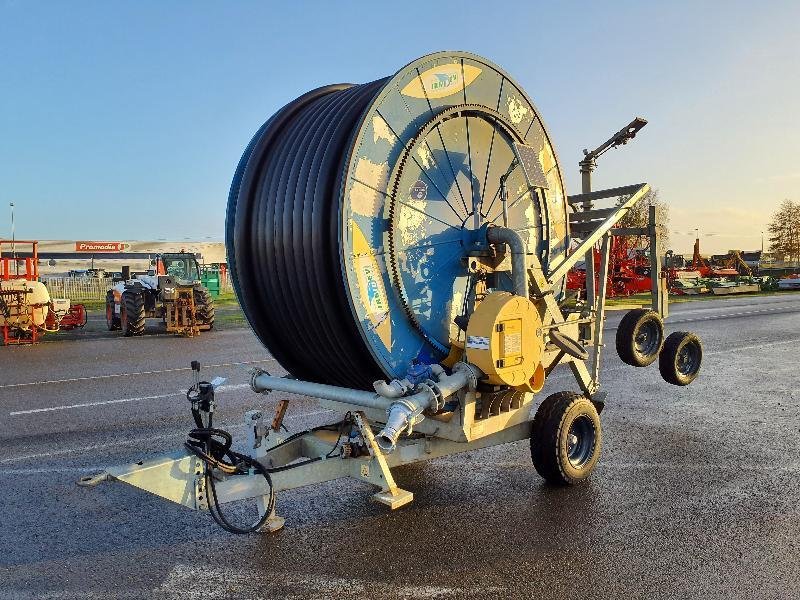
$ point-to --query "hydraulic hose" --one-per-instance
(282, 236)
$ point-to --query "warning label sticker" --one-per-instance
(512, 344)
(478, 342)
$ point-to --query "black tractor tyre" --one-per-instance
(566, 438)
(640, 337)
(204, 306)
(112, 319)
(132, 317)
(681, 358)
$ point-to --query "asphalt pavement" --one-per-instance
(697, 494)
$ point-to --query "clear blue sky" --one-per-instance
(126, 120)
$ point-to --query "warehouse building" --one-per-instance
(77, 257)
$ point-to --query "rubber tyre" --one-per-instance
(640, 337)
(112, 320)
(204, 306)
(553, 457)
(681, 358)
(132, 318)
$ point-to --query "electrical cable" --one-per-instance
(213, 447)
(203, 443)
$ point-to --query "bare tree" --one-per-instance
(784, 231)
(638, 215)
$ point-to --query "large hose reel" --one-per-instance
(412, 229)
(356, 211)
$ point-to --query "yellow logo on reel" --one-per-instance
(370, 285)
(441, 81)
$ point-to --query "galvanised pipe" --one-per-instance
(400, 411)
(519, 268)
(448, 385)
(403, 411)
(392, 389)
(264, 382)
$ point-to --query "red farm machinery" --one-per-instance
(26, 308)
(628, 269)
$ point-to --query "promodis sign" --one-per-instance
(99, 246)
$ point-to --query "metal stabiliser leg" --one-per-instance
(390, 495)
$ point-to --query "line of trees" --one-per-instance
(638, 215)
(784, 232)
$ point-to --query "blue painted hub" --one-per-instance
(417, 373)
(427, 158)
(471, 238)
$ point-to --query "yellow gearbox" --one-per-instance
(504, 340)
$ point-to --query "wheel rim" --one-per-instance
(581, 439)
(648, 338)
(688, 359)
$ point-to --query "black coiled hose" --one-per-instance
(282, 236)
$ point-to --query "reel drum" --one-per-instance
(356, 209)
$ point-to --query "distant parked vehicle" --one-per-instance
(175, 295)
(790, 282)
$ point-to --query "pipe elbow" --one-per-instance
(393, 389)
(506, 235)
(518, 249)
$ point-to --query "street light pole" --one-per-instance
(13, 239)
(11, 204)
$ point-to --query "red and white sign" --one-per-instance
(99, 246)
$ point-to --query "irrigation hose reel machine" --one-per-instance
(401, 248)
